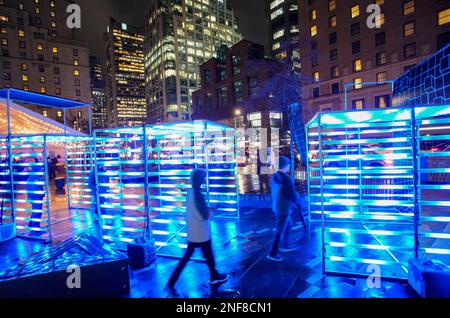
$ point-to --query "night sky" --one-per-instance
(95, 16)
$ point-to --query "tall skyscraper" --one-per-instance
(125, 80)
(344, 48)
(39, 53)
(283, 31)
(99, 105)
(180, 36)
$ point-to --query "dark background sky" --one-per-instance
(95, 15)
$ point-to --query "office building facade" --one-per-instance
(181, 35)
(124, 75)
(99, 105)
(346, 44)
(283, 31)
(230, 85)
(39, 53)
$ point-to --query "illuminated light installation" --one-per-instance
(369, 186)
(147, 171)
(6, 211)
(29, 140)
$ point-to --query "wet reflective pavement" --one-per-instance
(240, 249)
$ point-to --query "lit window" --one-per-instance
(25, 78)
(332, 21)
(43, 90)
(4, 18)
(316, 77)
(382, 101)
(358, 104)
(278, 34)
(21, 33)
(55, 50)
(45, 113)
(37, 10)
(42, 79)
(276, 46)
(379, 20)
(24, 67)
(26, 87)
(379, 2)
(381, 77)
(334, 72)
(357, 83)
(293, 7)
(355, 11)
(76, 62)
(294, 29)
(409, 29)
(275, 3)
(408, 7)
(381, 58)
(4, 30)
(59, 114)
(52, 14)
(76, 72)
(313, 15)
(52, 4)
(39, 47)
(357, 65)
(314, 30)
(5, 42)
(53, 24)
(444, 17)
(276, 13)
(331, 5)
(281, 55)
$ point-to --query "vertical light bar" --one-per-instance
(321, 192)
(147, 228)
(47, 190)
(416, 158)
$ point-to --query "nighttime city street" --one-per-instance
(225, 155)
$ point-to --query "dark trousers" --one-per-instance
(207, 253)
(283, 224)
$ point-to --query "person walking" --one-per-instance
(284, 199)
(199, 231)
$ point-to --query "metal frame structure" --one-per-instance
(367, 186)
(148, 170)
(26, 158)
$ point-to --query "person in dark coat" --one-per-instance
(284, 199)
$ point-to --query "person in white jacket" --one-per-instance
(199, 230)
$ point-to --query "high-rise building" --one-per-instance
(124, 75)
(39, 53)
(283, 31)
(346, 45)
(180, 36)
(230, 84)
(99, 105)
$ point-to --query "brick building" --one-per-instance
(230, 84)
(340, 48)
(40, 54)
